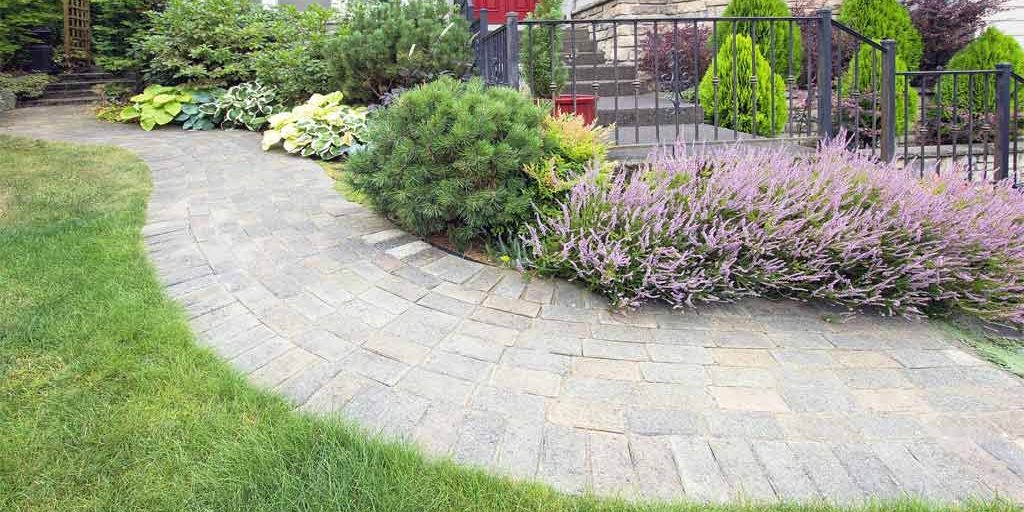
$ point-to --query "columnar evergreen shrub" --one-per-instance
(767, 33)
(448, 156)
(734, 103)
(885, 19)
(833, 226)
(384, 45)
(991, 48)
(865, 98)
(540, 53)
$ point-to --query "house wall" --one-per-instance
(1011, 21)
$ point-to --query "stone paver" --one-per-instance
(335, 308)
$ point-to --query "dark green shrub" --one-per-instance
(32, 85)
(885, 19)
(539, 44)
(865, 104)
(387, 44)
(735, 104)
(767, 33)
(449, 156)
(114, 22)
(991, 48)
(17, 20)
(293, 62)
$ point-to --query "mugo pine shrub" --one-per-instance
(448, 156)
(734, 103)
(885, 19)
(991, 48)
(862, 98)
(773, 37)
(834, 226)
(384, 45)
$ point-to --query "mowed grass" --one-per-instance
(106, 402)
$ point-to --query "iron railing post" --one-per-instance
(512, 49)
(1002, 152)
(825, 128)
(482, 58)
(888, 99)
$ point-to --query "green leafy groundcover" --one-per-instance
(106, 403)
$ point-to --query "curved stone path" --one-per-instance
(330, 305)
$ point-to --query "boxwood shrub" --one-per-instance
(448, 156)
(737, 105)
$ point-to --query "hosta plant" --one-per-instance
(833, 226)
(157, 105)
(193, 116)
(322, 127)
(247, 105)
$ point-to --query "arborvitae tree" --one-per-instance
(735, 103)
(773, 37)
(540, 54)
(885, 19)
(867, 91)
(991, 48)
(449, 156)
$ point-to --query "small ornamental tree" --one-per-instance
(385, 45)
(979, 92)
(864, 94)
(946, 26)
(778, 41)
(541, 52)
(885, 19)
(734, 103)
(448, 156)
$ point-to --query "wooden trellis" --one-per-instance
(77, 33)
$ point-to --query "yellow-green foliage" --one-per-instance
(885, 19)
(866, 82)
(736, 104)
(571, 145)
(991, 48)
(773, 38)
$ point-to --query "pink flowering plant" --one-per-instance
(831, 226)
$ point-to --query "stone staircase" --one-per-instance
(76, 88)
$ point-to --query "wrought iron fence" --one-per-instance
(777, 80)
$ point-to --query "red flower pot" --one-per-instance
(583, 105)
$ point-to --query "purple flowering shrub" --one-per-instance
(832, 226)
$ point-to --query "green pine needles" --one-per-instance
(540, 55)
(778, 41)
(979, 92)
(736, 103)
(448, 156)
(864, 85)
(885, 19)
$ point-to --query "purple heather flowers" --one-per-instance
(832, 225)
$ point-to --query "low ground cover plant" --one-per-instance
(834, 226)
(156, 106)
(248, 105)
(322, 127)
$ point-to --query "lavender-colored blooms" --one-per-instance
(834, 226)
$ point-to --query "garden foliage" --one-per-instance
(676, 59)
(194, 117)
(448, 156)
(322, 127)
(540, 55)
(979, 92)
(862, 94)
(293, 60)
(735, 103)
(833, 226)
(778, 41)
(384, 45)
(247, 105)
(18, 18)
(885, 19)
(946, 26)
(156, 106)
(32, 85)
(570, 146)
(114, 23)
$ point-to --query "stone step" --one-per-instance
(74, 93)
(78, 76)
(641, 110)
(622, 87)
(55, 102)
(84, 85)
(605, 72)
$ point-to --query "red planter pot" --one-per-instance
(497, 9)
(585, 106)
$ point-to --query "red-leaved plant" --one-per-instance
(946, 26)
(833, 226)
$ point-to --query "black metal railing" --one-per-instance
(785, 80)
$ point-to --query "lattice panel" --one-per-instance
(77, 32)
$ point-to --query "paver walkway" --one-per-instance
(333, 307)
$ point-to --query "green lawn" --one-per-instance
(107, 404)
